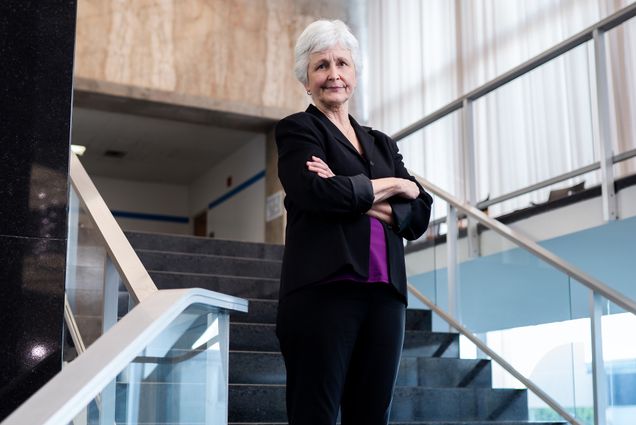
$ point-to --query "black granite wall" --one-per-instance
(37, 38)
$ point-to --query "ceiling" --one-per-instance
(157, 149)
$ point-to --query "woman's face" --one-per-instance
(331, 77)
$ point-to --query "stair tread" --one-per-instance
(197, 254)
(519, 422)
(215, 275)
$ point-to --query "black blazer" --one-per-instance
(327, 228)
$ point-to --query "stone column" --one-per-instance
(36, 46)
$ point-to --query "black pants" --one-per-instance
(341, 342)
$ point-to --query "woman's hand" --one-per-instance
(387, 187)
(319, 167)
(409, 190)
(382, 211)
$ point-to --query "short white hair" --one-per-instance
(319, 36)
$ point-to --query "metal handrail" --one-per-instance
(533, 247)
(132, 272)
(623, 156)
(606, 24)
(71, 390)
(497, 358)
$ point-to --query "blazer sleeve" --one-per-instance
(410, 217)
(297, 140)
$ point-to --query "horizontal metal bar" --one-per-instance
(624, 156)
(540, 185)
(439, 114)
(556, 179)
(533, 247)
(497, 358)
(606, 24)
(617, 18)
(132, 271)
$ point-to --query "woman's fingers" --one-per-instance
(319, 167)
(409, 189)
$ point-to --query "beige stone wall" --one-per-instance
(235, 51)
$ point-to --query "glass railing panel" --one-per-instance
(535, 317)
(531, 314)
(604, 252)
(427, 259)
(433, 153)
(86, 270)
(623, 169)
(619, 359)
(547, 129)
(620, 46)
(179, 378)
(426, 264)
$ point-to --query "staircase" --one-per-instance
(434, 386)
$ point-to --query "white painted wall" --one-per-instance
(241, 216)
(148, 198)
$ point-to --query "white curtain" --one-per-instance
(425, 53)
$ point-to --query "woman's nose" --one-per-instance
(333, 73)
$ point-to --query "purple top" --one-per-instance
(378, 265)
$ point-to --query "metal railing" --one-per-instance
(494, 356)
(92, 373)
(598, 290)
(124, 258)
(601, 117)
(71, 390)
(600, 93)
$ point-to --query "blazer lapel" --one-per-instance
(335, 130)
(365, 139)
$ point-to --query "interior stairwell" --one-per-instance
(434, 385)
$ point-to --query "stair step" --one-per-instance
(269, 368)
(254, 403)
(428, 423)
(264, 311)
(201, 245)
(243, 287)
(209, 264)
(262, 337)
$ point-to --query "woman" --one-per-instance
(349, 202)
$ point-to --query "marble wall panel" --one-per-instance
(240, 51)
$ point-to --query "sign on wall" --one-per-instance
(274, 206)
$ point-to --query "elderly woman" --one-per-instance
(350, 202)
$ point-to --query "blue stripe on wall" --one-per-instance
(236, 190)
(154, 217)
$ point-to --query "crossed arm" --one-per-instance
(383, 189)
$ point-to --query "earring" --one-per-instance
(309, 92)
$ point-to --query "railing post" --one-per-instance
(599, 380)
(451, 259)
(601, 124)
(71, 247)
(109, 319)
(468, 173)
